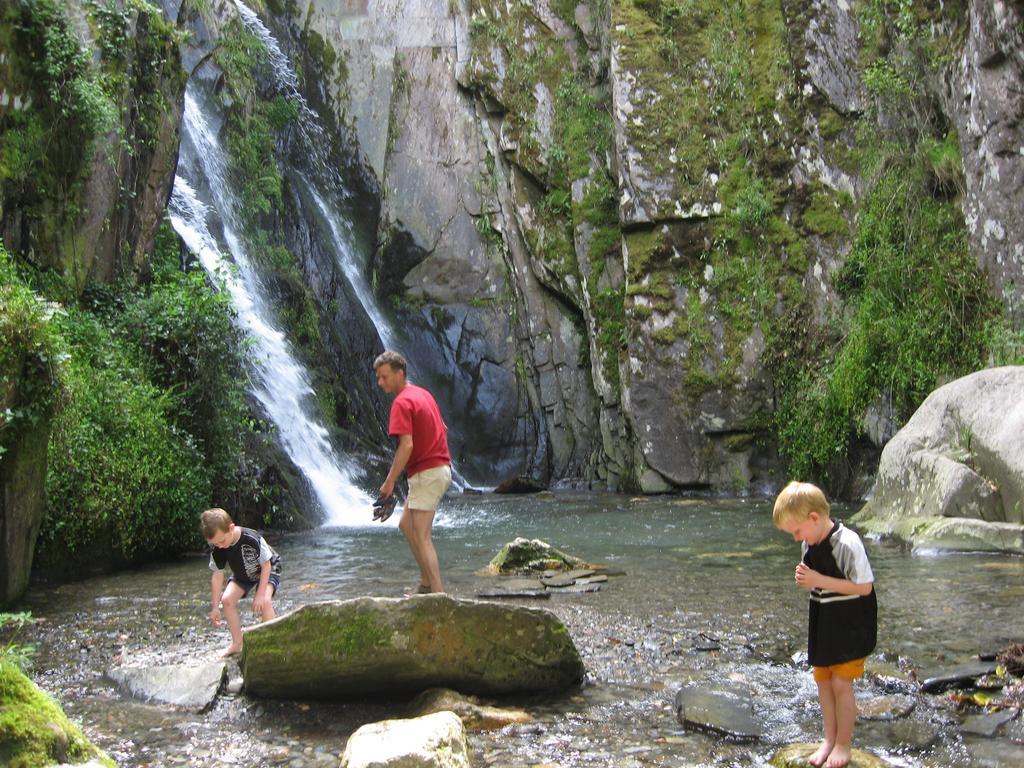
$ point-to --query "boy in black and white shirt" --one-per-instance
(843, 611)
(253, 564)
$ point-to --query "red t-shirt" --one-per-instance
(415, 413)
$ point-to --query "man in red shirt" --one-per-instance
(423, 453)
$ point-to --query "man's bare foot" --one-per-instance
(231, 650)
(838, 757)
(818, 758)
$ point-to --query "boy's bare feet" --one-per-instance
(838, 757)
(234, 650)
(818, 758)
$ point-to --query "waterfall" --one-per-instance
(280, 384)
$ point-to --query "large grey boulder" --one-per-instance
(953, 477)
(431, 741)
(350, 648)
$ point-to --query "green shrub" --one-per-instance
(120, 474)
(917, 312)
(30, 355)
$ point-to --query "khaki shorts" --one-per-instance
(427, 487)
(850, 670)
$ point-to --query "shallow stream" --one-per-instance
(699, 574)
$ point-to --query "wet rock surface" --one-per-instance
(183, 685)
(728, 713)
(795, 756)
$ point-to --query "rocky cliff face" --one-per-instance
(613, 229)
(91, 144)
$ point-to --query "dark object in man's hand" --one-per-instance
(383, 507)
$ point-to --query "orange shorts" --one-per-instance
(850, 670)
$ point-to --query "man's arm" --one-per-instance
(402, 454)
(216, 590)
(809, 578)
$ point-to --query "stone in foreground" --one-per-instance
(795, 756)
(383, 646)
(724, 713)
(432, 741)
(194, 687)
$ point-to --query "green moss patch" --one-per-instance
(33, 729)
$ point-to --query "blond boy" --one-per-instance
(253, 564)
(842, 618)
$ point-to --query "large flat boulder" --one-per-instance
(959, 456)
(381, 646)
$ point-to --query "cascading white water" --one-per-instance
(279, 383)
(315, 143)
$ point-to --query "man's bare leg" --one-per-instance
(407, 526)
(422, 524)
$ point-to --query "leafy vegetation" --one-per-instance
(30, 356)
(12, 651)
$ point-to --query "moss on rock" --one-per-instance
(34, 731)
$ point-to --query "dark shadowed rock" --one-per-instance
(350, 648)
(727, 713)
(957, 677)
(520, 485)
(183, 685)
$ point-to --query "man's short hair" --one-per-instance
(215, 521)
(395, 360)
(796, 502)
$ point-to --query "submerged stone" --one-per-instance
(987, 724)
(378, 646)
(889, 707)
(183, 685)
(475, 715)
(728, 713)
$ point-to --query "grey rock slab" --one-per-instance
(956, 677)
(526, 594)
(728, 713)
(191, 686)
(987, 724)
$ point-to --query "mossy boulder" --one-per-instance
(33, 729)
(530, 555)
(382, 646)
(795, 756)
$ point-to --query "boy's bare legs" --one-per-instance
(416, 525)
(845, 717)
(828, 718)
(229, 600)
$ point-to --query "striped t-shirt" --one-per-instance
(840, 627)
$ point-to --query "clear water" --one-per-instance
(693, 569)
